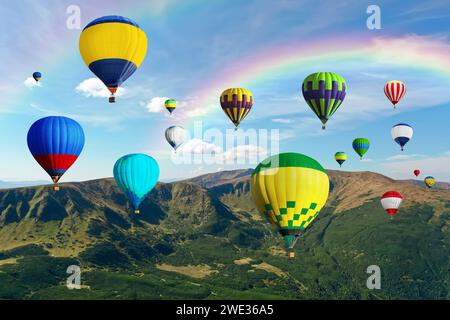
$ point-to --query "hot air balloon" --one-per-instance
(361, 145)
(429, 181)
(391, 201)
(416, 172)
(402, 133)
(236, 103)
(37, 76)
(170, 105)
(136, 175)
(176, 136)
(289, 189)
(55, 143)
(394, 91)
(340, 157)
(324, 93)
(113, 47)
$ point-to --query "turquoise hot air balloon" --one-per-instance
(136, 174)
(361, 145)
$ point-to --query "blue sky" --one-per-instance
(192, 45)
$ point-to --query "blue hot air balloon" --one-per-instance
(136, 174)
(55, 143)
(37, 76)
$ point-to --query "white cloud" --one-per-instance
(94, 87)
(156, 104)
(400, 157)
(282, 120)
(438, 166)
(366, 160)
(30, 83)
(199, 146)
(245, 152)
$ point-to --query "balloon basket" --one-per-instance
(112, 99)
(55, 188)
(137, 211)
(323, 127)
(291, 254)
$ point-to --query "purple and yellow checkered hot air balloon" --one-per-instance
(236, 103)
(113, 47)
(324, 93)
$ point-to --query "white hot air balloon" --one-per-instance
(176, 136)
(402, 133)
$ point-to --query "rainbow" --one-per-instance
(411, 51)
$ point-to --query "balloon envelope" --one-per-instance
(136, 174)
(170, 105)
(391, 201)
(176, 136)
(417, 172)
(394, 91)
(402, 133)
(324, 92)
(55, 143)
(340, 157)
(361, 145)
(113, 47)
(236, 103)
(37, 76)
(429, 181)
(289, 189)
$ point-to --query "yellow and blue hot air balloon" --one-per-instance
(429, 181)
(113, 47)
(340, 157)
(290, 189)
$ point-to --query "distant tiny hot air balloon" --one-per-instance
(340, 157)
(417, 172)
(37, 76)
(394, 91)
(170, 105)
(429, 181)
(136, 174)
(361, 145)
(402, 133)
(55, 143)
(113, 47)
(175, 136)
(236, 103)
(324, 93)
(391, 201)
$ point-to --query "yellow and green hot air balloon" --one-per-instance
(340, 157)
(170, 105)
(113, 47)
(236, 103)
(290, 189)
(429, 181)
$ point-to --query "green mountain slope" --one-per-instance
(203, 239)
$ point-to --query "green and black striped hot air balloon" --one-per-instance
(324, 93)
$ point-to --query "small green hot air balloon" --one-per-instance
(170, 105)
(361, 145)
(324, 93)
(340, 157)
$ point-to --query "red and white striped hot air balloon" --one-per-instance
(394, 91)
(391, 201)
